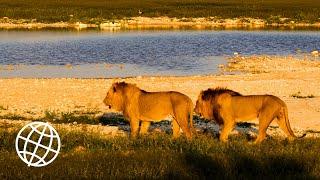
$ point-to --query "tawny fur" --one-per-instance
(141, 106)
(227, 107)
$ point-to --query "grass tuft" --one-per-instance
(13, 117)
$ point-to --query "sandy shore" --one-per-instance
(280, 76)
(159, 23)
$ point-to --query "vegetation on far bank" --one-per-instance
(300, 96)
(96, 11)
(86, 155)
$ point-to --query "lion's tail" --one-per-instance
(285, 109)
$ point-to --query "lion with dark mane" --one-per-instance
(139, 105)
(227, 107)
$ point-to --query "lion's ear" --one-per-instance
(201, 94)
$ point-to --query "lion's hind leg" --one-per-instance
(265, 118)
(175, 129)
(182, 121)
(285, 126)
(181, 117)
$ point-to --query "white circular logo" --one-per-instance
(38, 144)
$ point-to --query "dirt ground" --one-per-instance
(281, 76)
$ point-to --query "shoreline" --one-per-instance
(229, 65)
(159, 23)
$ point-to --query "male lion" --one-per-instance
(228, 107)
(139, 105)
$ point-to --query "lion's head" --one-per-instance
(206, 105)
(118, 93)
(115, 96)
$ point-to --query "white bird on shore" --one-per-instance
(140, 12)
(315, 53)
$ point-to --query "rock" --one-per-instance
(108, 25)
(80, 25)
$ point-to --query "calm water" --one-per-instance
(139, 52)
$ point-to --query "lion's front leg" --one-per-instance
(134, 127)
(144, 127)
(228, 120)
(227, 128)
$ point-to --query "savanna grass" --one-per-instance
(95, 11)
(81, 118)
(159, 156)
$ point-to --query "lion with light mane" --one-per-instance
(227, 107)
(139, 105)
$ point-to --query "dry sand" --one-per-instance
(280, 76)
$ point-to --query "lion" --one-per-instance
(227, 107)
(139, 105)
